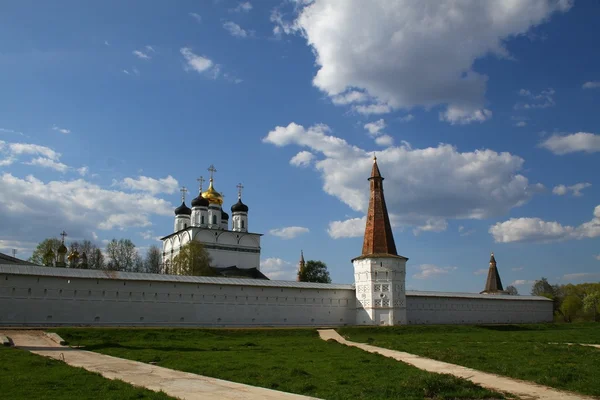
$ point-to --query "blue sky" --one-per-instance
(484, 117)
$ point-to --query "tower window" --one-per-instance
(243, 224)
(214, 219)
(202, 219)
(184, 226)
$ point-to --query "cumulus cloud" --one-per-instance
(581, 141)
(538, 230)
(375, 128)
(61, 130)
(544, 99)
(289, 232)
(407, 118)
(196, 16)
(76, 205)
(245, 6)
(575, 189)
(384, 140)
(591, 85)
(48, 163)
(235, 30)
(465, 232)
(402, 54)
(421, 185)
(427, 271)
(302, 159)
(278, 269)
(521, 282)
(151, 185)
(141, 55)
(431, 225)
(354, 227)
(195, 62)
(43, 156)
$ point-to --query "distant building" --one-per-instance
(493, 285)
(6, 259)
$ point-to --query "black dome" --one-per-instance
(200, 201)
(239, 207)
(224, 215)
(183, 209)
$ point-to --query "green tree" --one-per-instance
(591, 303)
(510, 289)
(153, 260)
(45, 253)
(570, 306)
(122, 255)
(542, 288)
(193, 259)
(96, 259)
(314, 271)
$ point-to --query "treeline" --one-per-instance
(120, 255)
(571, 302)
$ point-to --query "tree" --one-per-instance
(193, 259)
(153, 260)
(542, 288)
(591, 302)
(510, 289)
(122, 255)
(570, 306)
(46, 252)
(314, 271)
(96, 259)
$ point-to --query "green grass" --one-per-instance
(26, 376)
(290, 360)
(518, 351)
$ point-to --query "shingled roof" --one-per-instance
(493, 283)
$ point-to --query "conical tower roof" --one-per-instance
(493, 283)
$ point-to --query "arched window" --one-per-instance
(202, 220)
(242, 224)
(184, 226)
(214, 219)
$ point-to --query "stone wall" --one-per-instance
(34, 296)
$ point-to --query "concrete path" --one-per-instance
(177, 384)
(580, 344)
(523, 389)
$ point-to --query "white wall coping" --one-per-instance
(421, 293)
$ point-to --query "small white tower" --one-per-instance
(239, 212)
(200, 208)
(182, 213)
(379, 272)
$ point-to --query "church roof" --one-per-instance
(183, 209)
(6, 259)
(379, 239)
(239, 206)
(493, 283)
(200, 201)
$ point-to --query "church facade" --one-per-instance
(229, 244)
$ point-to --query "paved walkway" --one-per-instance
(580, 344)
(177, 384)
(523, 389)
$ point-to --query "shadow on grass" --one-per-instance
(109, 345)
(506, 328)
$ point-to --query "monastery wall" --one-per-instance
(34, 296)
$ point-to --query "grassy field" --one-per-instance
(519, 351)
(25, 376)
(290, 360)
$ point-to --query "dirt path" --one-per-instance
(523, 389)
(177, 384)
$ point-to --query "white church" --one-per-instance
(36, 296)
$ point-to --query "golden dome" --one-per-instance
(212, 195)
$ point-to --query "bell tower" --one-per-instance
(379, 272)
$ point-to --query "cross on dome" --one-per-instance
(239, 188)
(63, 234)
(201, 180)
(212, 170)
(183, 191)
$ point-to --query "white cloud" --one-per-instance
(384, 140)
(375, 128)
(434, 183)
(48, 163)
(597, 257)
(141, 54)
(481, 271)
(352, 96)
(77, 206)
(464, 232)
(147, 235)
(17, 149)
(149, 48)
(195, 62)
(427, 271)
(521, 282)
(544, 99)
(245, 6)
(83, 171)
(354, 227)
(407, 118)
(538, 230)
(521, 124)
(235, 30)
(370, 109)
(302, 159)
(578, 276)
(278, 269)
(431, 225)
(403, 53)
(151, 185)
(4, 130)
(289, 232)
(576, 189)
(581, 141)
(106, 43)
(196, 16)
(591, 85)
(61, 130)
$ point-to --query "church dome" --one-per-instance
(212, 195)
(200, 201)
(183, 209)
(224, 216)
(62, 249)
(239, 207)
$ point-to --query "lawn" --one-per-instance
(291, 360)
(518, 351)
(26, 376)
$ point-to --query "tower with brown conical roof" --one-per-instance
(379, 272)
(301, 265)
(493, 283)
